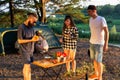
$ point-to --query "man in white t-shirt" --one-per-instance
(98, 41)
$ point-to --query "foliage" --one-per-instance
(114, 35)
(76, 13)
(30, 5)
(72, 8)
(117, 9)
(56, 24)
(19, 17)
(106, 10)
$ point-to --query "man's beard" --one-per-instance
(30, 24)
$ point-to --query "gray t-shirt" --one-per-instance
(25, 32)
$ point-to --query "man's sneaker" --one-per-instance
(93, 77)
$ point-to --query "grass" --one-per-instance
(116, 21)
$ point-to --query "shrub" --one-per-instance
(113, 30)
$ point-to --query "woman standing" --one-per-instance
(69, 42)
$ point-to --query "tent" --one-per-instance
(8, 37)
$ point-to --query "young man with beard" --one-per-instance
(98, 41)
(26, 39)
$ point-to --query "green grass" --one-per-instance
(116, 21)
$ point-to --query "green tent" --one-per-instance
(8, 37)
(49, 35)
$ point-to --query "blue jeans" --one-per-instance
(96, 52)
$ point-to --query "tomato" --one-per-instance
(64, 54)
(59, 54)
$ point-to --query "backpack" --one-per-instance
(41, 45)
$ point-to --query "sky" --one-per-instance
(102, 2)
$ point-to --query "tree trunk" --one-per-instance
(43, 12)
(39, 17)
(37, 10)
(11, 13)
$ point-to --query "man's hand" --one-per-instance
(105, 48)
(35, 38)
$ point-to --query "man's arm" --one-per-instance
(34, 39)
(106, 38)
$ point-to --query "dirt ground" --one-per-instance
(11, 64)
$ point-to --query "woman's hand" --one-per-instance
(61, 40)
(67, 35)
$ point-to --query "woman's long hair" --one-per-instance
(72, 24)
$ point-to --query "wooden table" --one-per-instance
(46, 65)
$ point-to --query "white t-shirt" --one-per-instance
(97, 32)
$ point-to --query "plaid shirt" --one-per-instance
(70, 42)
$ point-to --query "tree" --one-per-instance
(37, 5)
(11, 13)
(70, 7)
(9, 18)
(40, 9)
(107, 10)
(43, 11)
(117, 9)
(2, 3)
